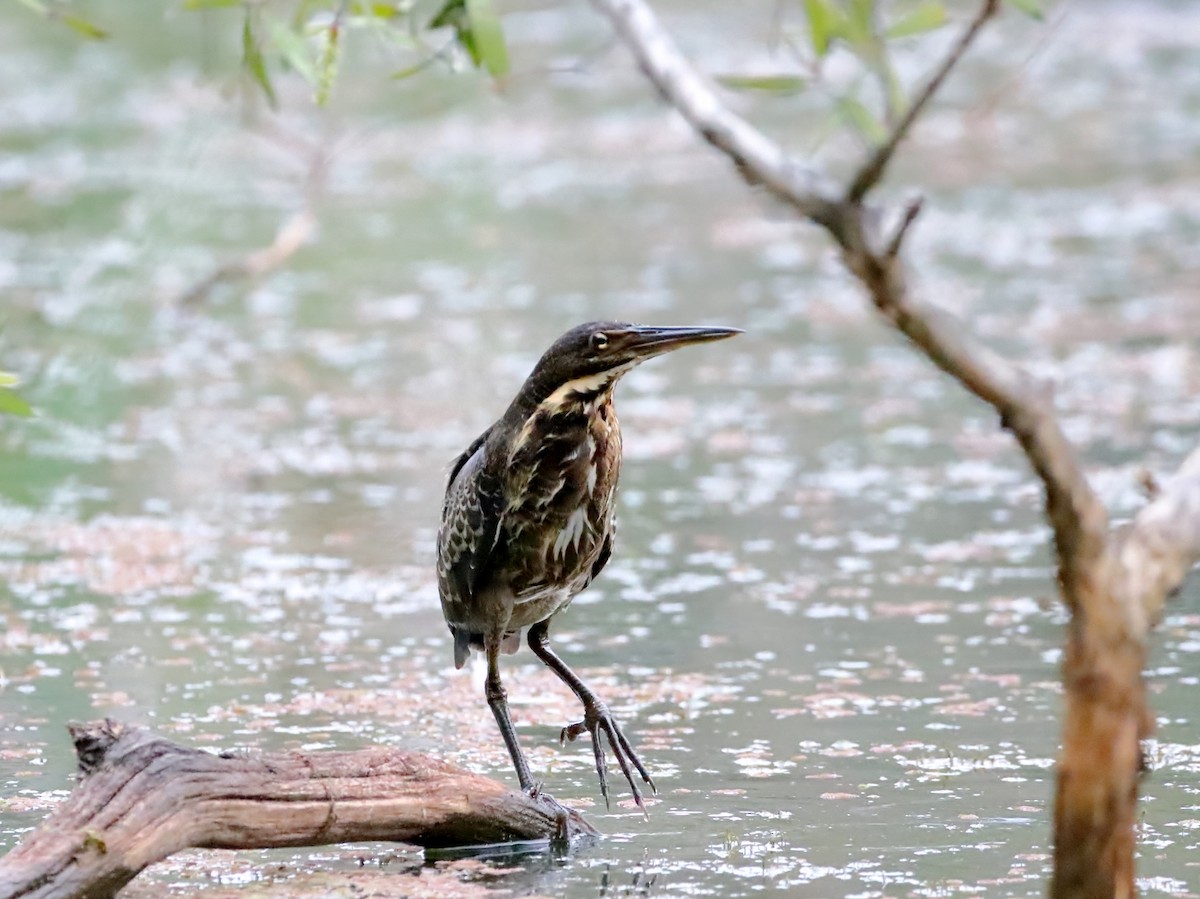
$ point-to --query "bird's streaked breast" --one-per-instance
(560, 491)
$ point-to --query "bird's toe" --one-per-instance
(600, 725)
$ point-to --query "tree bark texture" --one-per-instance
(1100, 764)
(143, 798)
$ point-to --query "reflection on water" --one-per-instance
(829, 623)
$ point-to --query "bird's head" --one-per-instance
(590, 358)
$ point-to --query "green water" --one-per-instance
(829, 623)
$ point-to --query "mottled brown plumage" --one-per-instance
(528, 519)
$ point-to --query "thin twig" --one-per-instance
(1022, 71)
(1149, 484)
(293, 233)
(911, 210)
(868, 176)
(297, 228)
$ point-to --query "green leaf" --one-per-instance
(454, 15)
(852, 112)
(488, 36)
(451, 15)
(294, 49)
(8, 379)
(76, 23)
(859, 27)
(252, 59)
(301, 15)
(926, 17)
(824, 24)
(11, 404)
(415, 68)
(1031, 8)
(327, 62)
(80, 25)
(374, 10)
(777, 84)
(210, 4)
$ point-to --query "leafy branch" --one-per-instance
(866, 33)
(310, 37)
(58, 12)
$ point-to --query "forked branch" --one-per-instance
(870, 173)
(1162, 544)
(1077, 516)
(760, 160)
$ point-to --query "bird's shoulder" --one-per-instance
(473, 451)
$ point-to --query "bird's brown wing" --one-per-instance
(605, 553)
(464, 458)
(470, 526)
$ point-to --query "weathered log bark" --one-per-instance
(1114, 583)
(143, 797)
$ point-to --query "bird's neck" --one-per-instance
(579, 396)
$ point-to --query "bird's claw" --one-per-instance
(571, 732)
(598, 719)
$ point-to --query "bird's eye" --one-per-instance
(599, 341)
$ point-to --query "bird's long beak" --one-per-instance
(645, 342)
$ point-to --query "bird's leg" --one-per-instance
(497, 698)
(596, 719)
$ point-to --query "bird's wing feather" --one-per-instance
(463, 459)
(605, 553)
(471, 519)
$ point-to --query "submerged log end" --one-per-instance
(93, 740)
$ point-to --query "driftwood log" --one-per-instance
(143, 798)
(1114, 581)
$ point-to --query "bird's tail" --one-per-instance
(465, 641)
(462, 646)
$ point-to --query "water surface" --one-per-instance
(829, 624)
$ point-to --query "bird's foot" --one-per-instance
(596, 720)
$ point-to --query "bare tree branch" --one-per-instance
(759, 159)
(1076, 514)
(911, 210)
(1079, 519)
(293, 233)
(296, 230)
(868, 176)
(1162, 544)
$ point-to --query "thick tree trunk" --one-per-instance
(1106, 718)
(143, 798)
